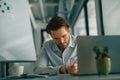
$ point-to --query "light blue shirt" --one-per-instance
(52, 58)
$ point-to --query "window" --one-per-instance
(80, 25)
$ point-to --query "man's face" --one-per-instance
(61, 37)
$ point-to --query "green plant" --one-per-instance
(103, 60)
(101, 54)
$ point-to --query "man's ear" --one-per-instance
(69, 30)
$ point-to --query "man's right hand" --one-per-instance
(69, 69)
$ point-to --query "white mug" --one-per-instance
(16, 70)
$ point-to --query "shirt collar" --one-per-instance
(72, 41)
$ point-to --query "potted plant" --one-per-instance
(103, 60)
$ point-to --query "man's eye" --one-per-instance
(56, 39)
(64, 36)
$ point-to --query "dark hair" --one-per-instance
(56, 23)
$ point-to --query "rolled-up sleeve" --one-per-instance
(42, 65)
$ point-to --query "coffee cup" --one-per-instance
(16, 70)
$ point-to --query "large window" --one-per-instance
(81, 27)
(92, 18)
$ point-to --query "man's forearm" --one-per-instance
(46, 70)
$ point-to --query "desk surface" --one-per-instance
(75, 77)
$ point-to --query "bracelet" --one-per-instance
(60, 70)
(66, 70)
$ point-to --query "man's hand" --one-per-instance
(69, 69)
(73, 68)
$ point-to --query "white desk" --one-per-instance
(75, 77)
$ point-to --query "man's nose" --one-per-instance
(61, 40)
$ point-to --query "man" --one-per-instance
(59, 54)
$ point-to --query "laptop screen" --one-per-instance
(86, 55)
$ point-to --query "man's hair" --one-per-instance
(55, 23)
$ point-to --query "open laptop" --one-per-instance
(86, 55)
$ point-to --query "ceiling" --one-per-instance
(44, 10)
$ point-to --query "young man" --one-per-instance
(59, 54)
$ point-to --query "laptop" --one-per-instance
(86, 55)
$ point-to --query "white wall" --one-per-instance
(111, 18)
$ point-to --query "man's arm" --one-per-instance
(42, 64)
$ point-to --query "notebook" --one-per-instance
(86, 55)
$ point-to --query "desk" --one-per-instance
(76, 77)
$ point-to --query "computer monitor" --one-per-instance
(86, 55)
